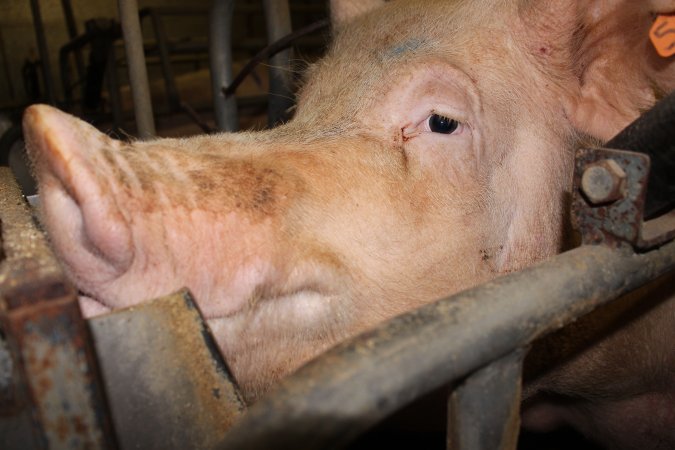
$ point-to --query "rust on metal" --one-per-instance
(603, 182)
(50, 394)
(610, 189)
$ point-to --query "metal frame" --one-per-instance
(278, 20)
(138, 73)
(54, 398)
(43, 51)
(220, 54)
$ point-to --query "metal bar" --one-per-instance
(176, 10)
(138, 74)
(43, 50)
(278, 20)
(114, 89)
(58, 369)
(5, 67)
(483, 412)
(71, 25)
(56, 397)
(334, 398)
(173, 100)
(220, 55)
(271, 50)
(183, 395)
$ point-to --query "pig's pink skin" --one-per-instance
(294, 239)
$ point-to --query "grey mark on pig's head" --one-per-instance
(403, 49)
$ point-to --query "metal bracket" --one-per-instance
(610, 188)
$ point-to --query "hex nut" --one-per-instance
(603, 182)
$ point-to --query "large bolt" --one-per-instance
(603, 182)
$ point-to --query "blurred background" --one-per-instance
(87, 60)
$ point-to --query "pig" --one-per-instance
(431, 150)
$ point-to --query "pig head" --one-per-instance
(431, 150)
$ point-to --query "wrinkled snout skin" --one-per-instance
(431, 150)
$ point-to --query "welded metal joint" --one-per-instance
(603, 182)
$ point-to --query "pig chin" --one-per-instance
(268, 341)
(267, 320)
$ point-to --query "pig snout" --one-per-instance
(125, 221)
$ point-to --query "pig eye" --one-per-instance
(442, 124)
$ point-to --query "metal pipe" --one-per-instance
(71, 25)
(5, 66)
(278, 20)
(114, 90)
(336, 397)
(173, 101)
(220, 55)
(138, 74)
(483, 412)
(55, 378)
(43, 50)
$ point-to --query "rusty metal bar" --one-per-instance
(54, 398)
(138, 73)
(483, 412)
(278, 20)
(220, 55)
(336, 397)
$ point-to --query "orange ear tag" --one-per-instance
(662, 35)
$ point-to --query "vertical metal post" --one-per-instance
(138, 74)
(220, 55)
(71, 25)
(484, 411)
(278, 19)
(172, 98)
(5, 66)
(43, 50)
(114, 89)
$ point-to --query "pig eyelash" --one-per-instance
(434, 123)
(438, 123)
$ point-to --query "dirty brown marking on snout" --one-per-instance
(240, 185)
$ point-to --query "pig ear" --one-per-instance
(617, 72)
(77, 200)
(342, 11)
